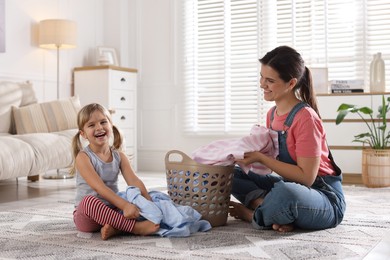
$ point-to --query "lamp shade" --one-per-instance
(57, 33)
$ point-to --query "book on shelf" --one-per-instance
(347, 84)
(348, 90)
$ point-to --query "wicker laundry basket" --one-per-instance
(205, 188)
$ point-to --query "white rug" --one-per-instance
(48, 233)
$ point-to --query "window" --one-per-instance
(223, 41)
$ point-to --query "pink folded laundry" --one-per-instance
(226, 152)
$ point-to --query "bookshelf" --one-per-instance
(348, 155)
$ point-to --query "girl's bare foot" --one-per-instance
(283, 228)
(108, 231)
(145, 228)
(239, 211)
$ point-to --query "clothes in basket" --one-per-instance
(225, 152)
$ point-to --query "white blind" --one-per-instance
(223, 41)
(221, 64)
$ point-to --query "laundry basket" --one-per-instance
(205, 188)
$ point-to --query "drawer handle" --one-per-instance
(112, 111)
(123, 99)
(123, 118)
(123, 80)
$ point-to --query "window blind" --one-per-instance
(221, 66)
(223, 41)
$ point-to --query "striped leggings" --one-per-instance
(91, 214)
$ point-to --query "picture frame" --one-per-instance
(106, 56)
(320, 79)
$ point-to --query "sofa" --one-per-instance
(34, 137)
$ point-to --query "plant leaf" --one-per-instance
(345, 107)
(360, 136)
(341, 115)
(366, 110)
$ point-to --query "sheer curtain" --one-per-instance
(223, 40)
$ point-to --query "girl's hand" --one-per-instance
(131, 211)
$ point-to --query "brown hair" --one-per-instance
(82, 118)
(289, 64)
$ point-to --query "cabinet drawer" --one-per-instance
(123, 118)
(122, 99)
(123, 80)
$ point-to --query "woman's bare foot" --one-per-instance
(254, 204)
(239, 211)
(108, 231)
(145, 228)
(283, 228)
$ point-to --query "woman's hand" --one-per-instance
(250, 157)
(131, 211)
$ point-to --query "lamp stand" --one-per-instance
(60, 174)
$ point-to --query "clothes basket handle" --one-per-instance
(184, 157)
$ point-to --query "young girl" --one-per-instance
(306, 192)
(97, 205)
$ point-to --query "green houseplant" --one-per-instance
(376, 158)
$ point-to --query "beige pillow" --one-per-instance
(61, 114)
(29, 119)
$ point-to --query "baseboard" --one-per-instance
(352, 178)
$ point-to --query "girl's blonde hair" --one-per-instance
(82, 118)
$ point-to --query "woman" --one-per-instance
(306, 190)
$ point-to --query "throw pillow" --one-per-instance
(11, 95)
(28, 97)
(61, 114)
(29, 119)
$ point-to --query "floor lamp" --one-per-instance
(57, 34)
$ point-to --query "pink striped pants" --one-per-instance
(91, 214)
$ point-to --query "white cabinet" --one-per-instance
(116, 89)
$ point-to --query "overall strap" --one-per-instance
(291, 115)
(293, 112)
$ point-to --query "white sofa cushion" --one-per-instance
(51, 150)
(17, 158)
(28, 96)
(11, 95)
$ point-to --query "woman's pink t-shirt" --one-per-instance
(305, 137)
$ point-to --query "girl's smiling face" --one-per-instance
(273, 86)
(97, 129)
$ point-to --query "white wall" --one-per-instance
(24, 60)
(159, 88)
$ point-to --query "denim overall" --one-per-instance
(318, 207)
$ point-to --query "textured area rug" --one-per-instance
(48, 233)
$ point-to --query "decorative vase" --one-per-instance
(377, 74)
(376, 167)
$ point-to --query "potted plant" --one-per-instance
(376, 156)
